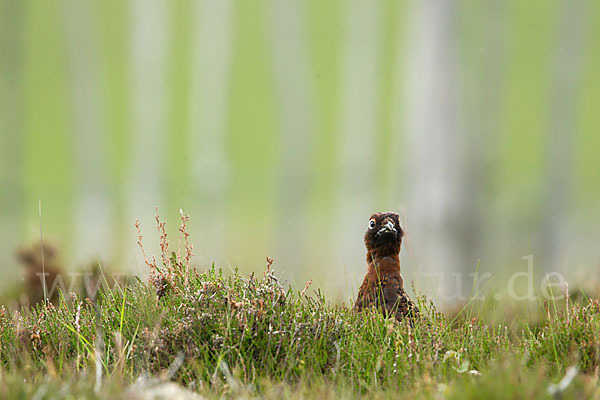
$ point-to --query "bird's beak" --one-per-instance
(388, 227)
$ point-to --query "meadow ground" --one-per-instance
(230, 336)
(184, 334)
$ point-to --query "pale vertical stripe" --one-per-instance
(397, 193)
(93, 214)
(432, 159)
(481, 121)
(148, 87)
(294, 91)
(211, 66)
(564, 84)
(360, 56)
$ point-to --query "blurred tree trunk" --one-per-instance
(559, 176)
(296, 126)
(434, 163)
(12, 116)
(148, 86)
(209, 96)
(355, 153)
(93, 213)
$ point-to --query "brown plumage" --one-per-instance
(383, 286)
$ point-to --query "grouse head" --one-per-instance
(384, 234)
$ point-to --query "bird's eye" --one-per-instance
(371, 223)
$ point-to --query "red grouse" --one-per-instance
(383, 286)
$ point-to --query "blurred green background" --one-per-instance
(279, 126)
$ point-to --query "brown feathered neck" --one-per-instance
(391, 249)
(383, 262)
